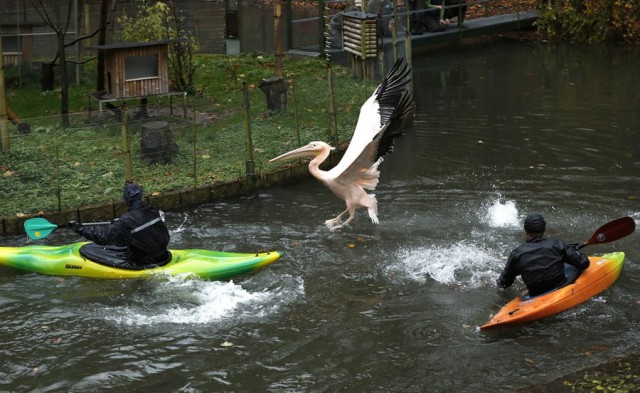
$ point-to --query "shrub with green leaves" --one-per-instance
(591, 21)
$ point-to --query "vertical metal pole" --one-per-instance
(295, 108)
(247, 131)
(288, 18)
(332, 106)
(126, 145)
(78, 43)
(395, 31)
(277, 36)
(321, 29)
(4, 123)
(195, 148)
(58, 186)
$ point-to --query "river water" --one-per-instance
(502, 129)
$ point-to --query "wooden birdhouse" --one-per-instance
(359, 31)
(136, 69)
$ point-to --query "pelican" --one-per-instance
(381, 119)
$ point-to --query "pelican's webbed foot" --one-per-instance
(334, 224)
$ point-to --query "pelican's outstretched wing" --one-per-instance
(381, 119)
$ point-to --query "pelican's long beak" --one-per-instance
(304, 151)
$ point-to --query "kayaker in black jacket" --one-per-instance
(141, 230)
(540, 261)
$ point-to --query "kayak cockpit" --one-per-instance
(571, 274)
(114, 256)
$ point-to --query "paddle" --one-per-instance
(611, 231)
(39, 228)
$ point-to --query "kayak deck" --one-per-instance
(67, 261)
(602, 272)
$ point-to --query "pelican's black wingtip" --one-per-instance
(395, 93)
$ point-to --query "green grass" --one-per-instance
(54, 168)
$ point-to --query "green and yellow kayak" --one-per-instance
(68, 260)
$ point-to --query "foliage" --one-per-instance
(20, 74)
(592, 21)
(621, 380)
(157, 21)
(84, 164)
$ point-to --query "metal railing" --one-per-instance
(305, 28)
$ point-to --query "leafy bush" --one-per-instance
(591, 21)
(18, 75)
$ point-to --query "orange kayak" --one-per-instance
(602, 272)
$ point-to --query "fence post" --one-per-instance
(295, 107)
(247, 131)
(126, 145)
(58, 186)
(4, 123)
(332, 106)
(195, 148)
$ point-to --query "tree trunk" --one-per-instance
(102, 39)
(156, 142)
(47, 81)
(277, 36)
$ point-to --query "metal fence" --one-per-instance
(52, 169)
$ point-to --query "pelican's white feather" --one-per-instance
(381, 119)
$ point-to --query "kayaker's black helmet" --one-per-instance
(132, 192)
(534, 223)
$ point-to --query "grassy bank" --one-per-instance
(53, 168)
(619, 375)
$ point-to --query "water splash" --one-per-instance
(463, 264)
(193, 301)
(470, 263)
(502, 214)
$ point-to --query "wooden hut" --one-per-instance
(17, 44)
(136, 69)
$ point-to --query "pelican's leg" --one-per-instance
(352, 215)
(335, 222)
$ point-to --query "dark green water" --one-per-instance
(501, 130)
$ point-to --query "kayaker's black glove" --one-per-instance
(573, 249)
(77, 227)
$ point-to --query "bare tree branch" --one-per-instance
(84, 37)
